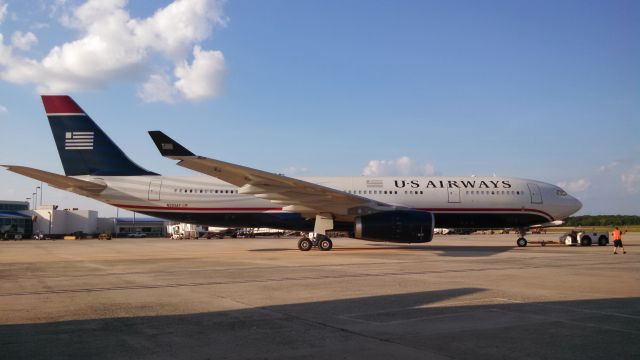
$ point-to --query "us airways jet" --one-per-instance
(393, 209)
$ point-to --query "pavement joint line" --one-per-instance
(586, 311)
(218, 269)
(551, 319)
(573, 309)
(421, 307)
(415, 318)
(248, 281)
(524, 267)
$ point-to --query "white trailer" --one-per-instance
(183, 231)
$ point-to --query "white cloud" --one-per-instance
(112, 46)
(575, 186)
(610, 166)
(631, 179)
(23, 41)
(404, 166)
(203, 78)
(3, 109)
(158, 88)
(294, 170)
(3, 10)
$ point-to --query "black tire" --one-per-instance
(585, 241)
(603, 241)
(325, 244)
(305, 244)
(522, 242)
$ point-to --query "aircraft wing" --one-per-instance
(58, 181)
(295, 195)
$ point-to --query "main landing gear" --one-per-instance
(322, 242)
(318, 238)
(521, 242)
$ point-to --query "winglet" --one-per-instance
(167, 146)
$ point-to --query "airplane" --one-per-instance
(399, 209)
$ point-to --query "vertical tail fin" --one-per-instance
(83, 147)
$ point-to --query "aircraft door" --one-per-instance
(454, 194)
(154, 190)
(536, 195)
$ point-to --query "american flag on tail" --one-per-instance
(77, 140)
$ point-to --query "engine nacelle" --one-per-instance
(402, 226)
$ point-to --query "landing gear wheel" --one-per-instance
(305, 244)
(325, 244)
(522, 242)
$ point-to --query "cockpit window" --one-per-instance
(561, 192)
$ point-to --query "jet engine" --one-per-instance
(402, 226)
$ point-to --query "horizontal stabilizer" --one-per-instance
(167, 146)
(59, 181)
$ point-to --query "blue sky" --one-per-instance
(548, 90)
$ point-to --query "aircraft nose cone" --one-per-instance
(576, 206)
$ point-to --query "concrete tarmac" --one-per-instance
(458, 297)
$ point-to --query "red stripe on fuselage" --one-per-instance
(489, 210)
(144, 207)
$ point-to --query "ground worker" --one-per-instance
(617, 241)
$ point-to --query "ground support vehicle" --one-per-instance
(584, 238)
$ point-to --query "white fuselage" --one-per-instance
(454, 201)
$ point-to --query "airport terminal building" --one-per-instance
(18, 221)
(14, 219)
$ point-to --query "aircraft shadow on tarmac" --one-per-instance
(452, 323)
(441, 250)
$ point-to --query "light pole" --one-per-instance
(41, 190)
(115, 225)
(35, 197)
(28, 200)
(38, 188)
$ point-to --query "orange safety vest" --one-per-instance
(617, 235)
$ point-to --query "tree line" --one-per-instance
(603, 220)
